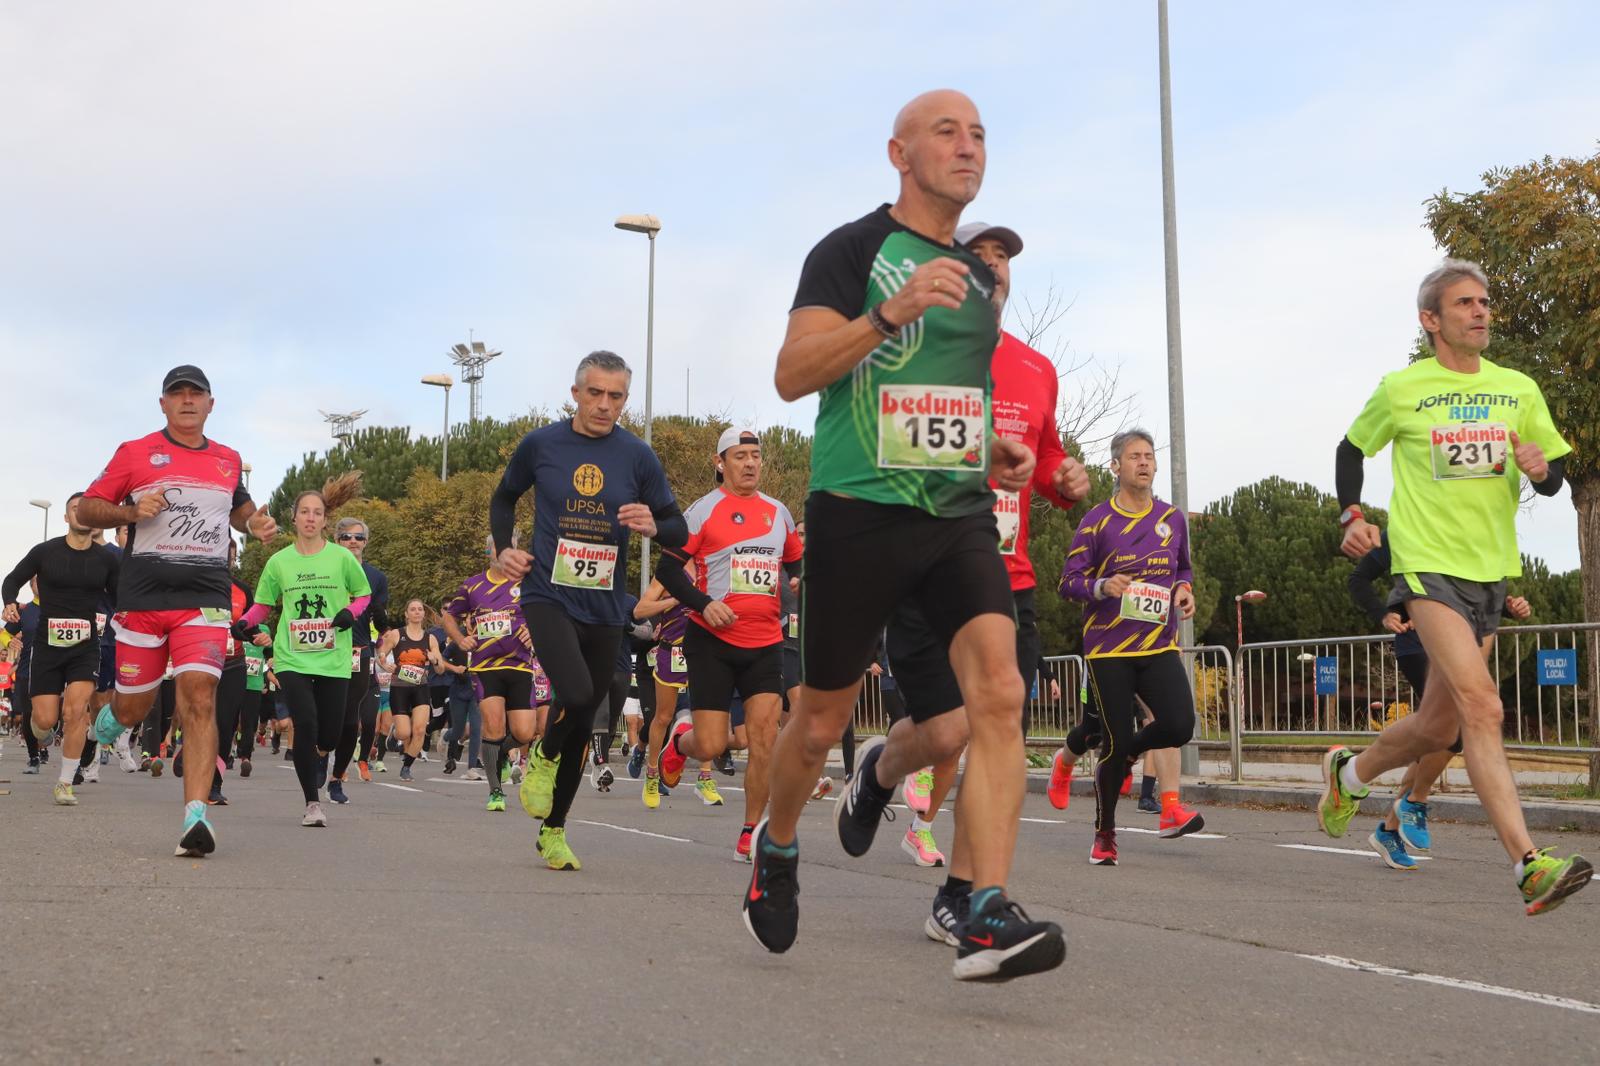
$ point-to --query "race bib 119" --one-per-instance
(930, 427)
(581, 565)
(1476, 449)
(492, 625)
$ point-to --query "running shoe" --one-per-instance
(106, 727)
(1059, 791)
(724, 764)
(537, 789)
(1391, 849)
(144, 762)
(1149, 805)
(1547, 880)
(449, 764)
(379, 764)
(771, 907)
(1413, 823)
(917, 789)
(602, 778)
(950, 909)
(64, 796)
(708, 791)
(156, 766)
(77, 777)
(91, 773)
(405, 773)
(314, 816)
(672, 759)
(1337, 805)
(105, 754)
(741, 850)
(32, 767)
(475, 774)
(998, 941)
(422, 756)
(497, 801)
(244, 766)
(824, 787)
(199, 838)
(652, 790)
(277, 742)
(557, 854)
(1103, 852)
(918, 843)
(336, 792)
(217, 799)
(1127, 784)
(364, 770)
(858, 812)
(130, 765)
(1180, 821)
(636, 762)
(514, 769)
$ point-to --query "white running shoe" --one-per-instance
(602, 778)
(314, 816)
(124, 756)
(91, 773)
(475, 774)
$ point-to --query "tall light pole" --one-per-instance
(471, 357)
(443, 381)
(1253, 596)
(649, 225)
(245, 468)
(344, 425)
(44, 505)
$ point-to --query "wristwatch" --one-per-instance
(1349, 515)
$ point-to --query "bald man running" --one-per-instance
(893, 328)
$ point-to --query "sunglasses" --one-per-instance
(353, 536)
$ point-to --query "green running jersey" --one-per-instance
(310, 590)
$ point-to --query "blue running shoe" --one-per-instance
(636, 761)
(106, 727)
(1391, 849)
(336, 792)
(1413, 823)
(199, 838)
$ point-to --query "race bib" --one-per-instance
(675, 660)
(411, 675)
(67, 632)
(581, 565)
(99, 623)
(355, 661)
(1475, 449)
(1008, 517)
(794, 626)
(255, 667)
(1144, 602)
(232, 647)
(311, 634)
(216, 616)
(492, 625)
(754, 575)
(930, 427)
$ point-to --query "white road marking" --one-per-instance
(640, 832)
(1455, 982)
(1370, 854)
(402, 788)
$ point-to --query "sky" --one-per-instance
(314, 201)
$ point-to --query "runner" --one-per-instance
(320, 591)
(250, 709)
(179, 491)
(669, 670)
(413, 649)
(352, 535)
(489, 607)
(892, 325)
(235, 679)
(464, 712)
(741, 541)
(74, 574)
(1457, 423)
(594, 484)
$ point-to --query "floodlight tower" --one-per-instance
(471, 357)
(343, 425)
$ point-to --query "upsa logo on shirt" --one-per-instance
(588, 479)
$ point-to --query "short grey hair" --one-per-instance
(1120, 442)
(609, 362)
(350, 522)
(1430, 294)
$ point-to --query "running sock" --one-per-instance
(1169, 800)
(195, 807)
(918, 825)
(1352, 783)
(1521, 866)
(408, 760)
(1147, 788)
(491, 762)
(68, 768)
(705, 773)
(782, 851)
(956, 886)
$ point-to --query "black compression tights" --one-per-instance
(317, 706)
(579, 659)
(350, 728)
(1159, 680)
(616, 696)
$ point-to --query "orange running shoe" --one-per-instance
(1178, 820)
(1060, 789)
(364, 770)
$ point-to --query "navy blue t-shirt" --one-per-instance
(361, 632)
(580, 552)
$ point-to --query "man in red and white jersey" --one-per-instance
(741, 541)
(179, 493)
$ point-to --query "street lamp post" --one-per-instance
(44, 505)
(649, 225)
(245, 468)
(1253, 596)
(443, 381)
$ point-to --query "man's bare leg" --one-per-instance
(197, 711)
(815, 726)
(983, 654)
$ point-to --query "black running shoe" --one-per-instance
(998, 942)
(861, 808)
(450, 764)
(949, 911)
(724, 763)
(244, 766)
(217, 799)
(277, 742)
(771, 911)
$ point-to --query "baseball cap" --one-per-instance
(732, 438)
(973, 231)
(185, 375)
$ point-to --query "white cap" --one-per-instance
(975, 231)
(732, 437)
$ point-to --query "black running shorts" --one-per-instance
(53, 669)
(717, 668)
(513, 686)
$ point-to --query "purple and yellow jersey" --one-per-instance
(1153, 548)
(667, 658)
(490, 612)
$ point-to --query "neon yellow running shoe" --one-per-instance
(537, 791)
(652, 790)
(708, 792)
(1338, 805)
(497, 801)
(557, 855)
(64, 796)
(1547, 880)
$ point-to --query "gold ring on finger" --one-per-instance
(936, 284)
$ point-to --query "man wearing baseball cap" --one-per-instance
(178, 493)
(741, 541)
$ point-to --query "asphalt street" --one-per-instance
(418, 928)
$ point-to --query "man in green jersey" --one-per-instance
(893, 328)
(1461, 428)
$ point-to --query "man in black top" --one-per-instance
(75, 574)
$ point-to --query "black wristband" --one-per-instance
(881, 324)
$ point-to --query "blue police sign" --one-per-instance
(1327, 675)
(1558, 666)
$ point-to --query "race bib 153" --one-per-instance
(930, 427)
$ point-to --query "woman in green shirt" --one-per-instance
(319, 589)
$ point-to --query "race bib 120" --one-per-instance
(930, 427)
(581, 565)
(1144, 602)
(1474, 449)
